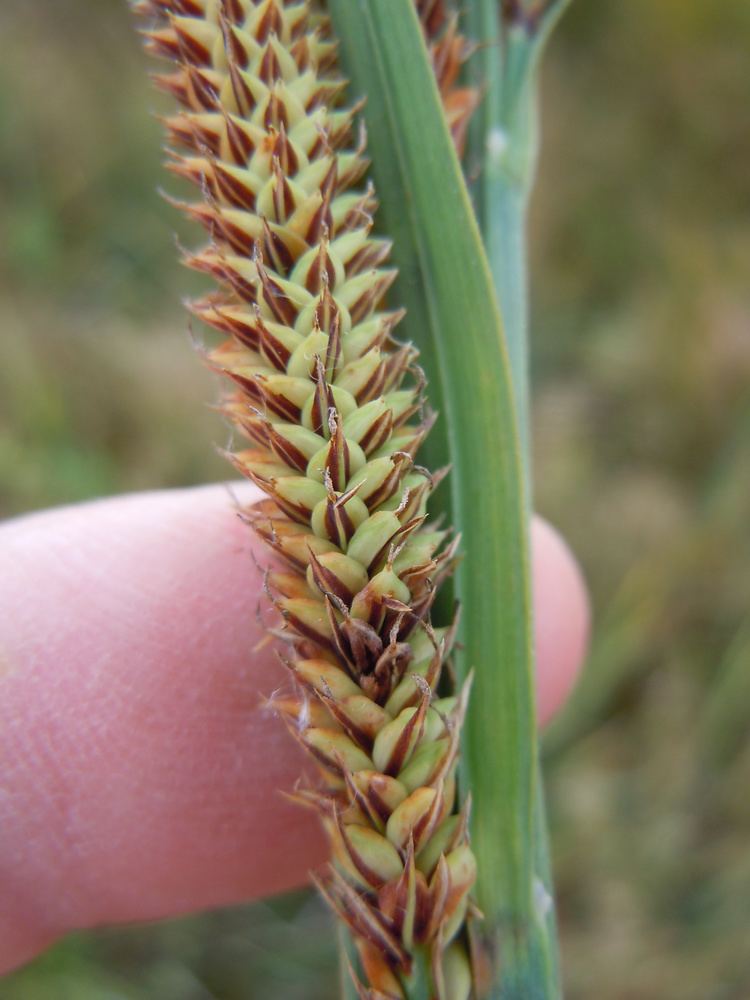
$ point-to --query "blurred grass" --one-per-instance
(641, 313)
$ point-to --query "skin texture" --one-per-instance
(139, 770)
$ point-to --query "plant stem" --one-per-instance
(502, 153)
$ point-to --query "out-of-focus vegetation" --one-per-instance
(641, 271)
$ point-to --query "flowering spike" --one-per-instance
(334, 411)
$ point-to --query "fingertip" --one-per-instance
(562, 617)
(140, 769)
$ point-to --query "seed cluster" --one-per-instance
(331, 405)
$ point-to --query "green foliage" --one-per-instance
(281, 948)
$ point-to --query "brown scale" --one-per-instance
(449, 51)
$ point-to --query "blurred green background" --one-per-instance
(641, 322)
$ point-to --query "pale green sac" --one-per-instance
(332, 407)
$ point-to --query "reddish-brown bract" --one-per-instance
(449, 50)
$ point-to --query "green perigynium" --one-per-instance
(332, 407)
